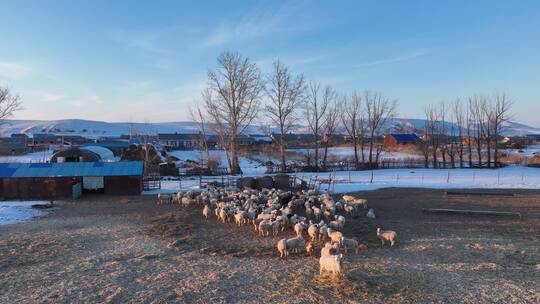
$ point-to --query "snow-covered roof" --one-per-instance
(104, 153)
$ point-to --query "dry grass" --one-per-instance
(115, 250)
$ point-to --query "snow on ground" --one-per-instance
(529, 151)
(18, 211)
(517, 177)
(346, 152)
(247, 165)
(513, 177)
(34, 157)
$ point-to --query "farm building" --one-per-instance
(69, 180)
(16, 144)
(400, 139)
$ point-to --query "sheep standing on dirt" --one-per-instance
(222, 215)
(265, 226)
(329, 249)
(295, 244)
(313, 232)
(240, 218)
(388, 236)
(371, 214)
(299, 229)
(323, 233)
(282, 248)
(349, 209)
(275, 227)
(350, 244)
(310, 249)
(332, 263)
(335, 236)
(206, 211)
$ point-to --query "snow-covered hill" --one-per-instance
(94, 129)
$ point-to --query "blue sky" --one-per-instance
(135, 61)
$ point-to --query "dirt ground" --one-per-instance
(111, 249)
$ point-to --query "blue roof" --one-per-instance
(22, 170)
(405, 138)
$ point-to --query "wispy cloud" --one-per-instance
(14, 70)
(52, 97)
(392, 60)
(257, 23)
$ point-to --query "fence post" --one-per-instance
(448, 177)
(422, 178)
(371, 181)
(498, 177)
(349, 177)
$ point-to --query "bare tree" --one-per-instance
(479, 122)
(500, 108)
(9, 103)
(285, 94)
(315, 107)
(378, 110)
(458, 116)
(199, 118)
(330, 126)
(352, 120)
(232, 100)
(432, 132)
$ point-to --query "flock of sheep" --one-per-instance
(273, 211)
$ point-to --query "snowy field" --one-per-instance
(35, 157)
(513, 177)
(348, 152)
(18, 211)
(248, 166)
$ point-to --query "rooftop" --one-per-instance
(30, 170)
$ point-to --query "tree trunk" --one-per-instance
(282, 151)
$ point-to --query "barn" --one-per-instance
(69, 180)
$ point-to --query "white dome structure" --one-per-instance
(105, 154)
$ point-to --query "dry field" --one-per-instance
(129, 250)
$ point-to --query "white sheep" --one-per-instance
(335, 236)
(313, 232)
(349, 209)
(222, 215)
(275, 227)
(282, 248)
(295, 244)
(206, 211)
(299, 229)
(323, 233)
(265, 226)
(240, 218)
(329, 249)
(387, 235)
(370, 214)
(332, 263)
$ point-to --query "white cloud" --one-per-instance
(257, 23)
(397, 59)
(13, 70)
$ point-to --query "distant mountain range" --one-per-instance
(96, 129)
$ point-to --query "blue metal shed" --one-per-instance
(34, 170)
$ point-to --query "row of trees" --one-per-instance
(462, 133)
(238, 93)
